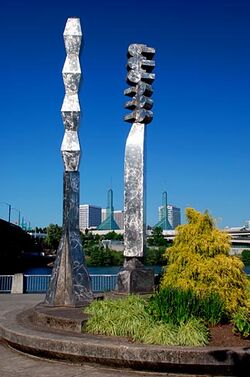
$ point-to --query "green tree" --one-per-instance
(113, 236)
(54, 233)
(99, 256)
(199, 260)
(245, 257)
(155, 256)
(157, 237)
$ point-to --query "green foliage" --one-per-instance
(191, 333)
(241, 321)
(157, 238)
(128, 317)
(113, 236)
(245, 257)
(121, 317)
(154, 256)
(99, 256)
(172, 305)
(54, 233)
(89, 239)
(40, 230)
(199, 260)
(96, 254)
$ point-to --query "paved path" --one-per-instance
(17, 364)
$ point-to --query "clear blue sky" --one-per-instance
(198, 142)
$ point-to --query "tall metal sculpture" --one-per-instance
(134, 277)
(70, 283)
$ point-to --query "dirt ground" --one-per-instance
(223, 336)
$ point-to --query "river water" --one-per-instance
(95, 270)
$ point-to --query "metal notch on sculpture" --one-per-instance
(134, 277)
(70, 283)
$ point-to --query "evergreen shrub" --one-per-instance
(199, 260)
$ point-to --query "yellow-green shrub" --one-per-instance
(199, 260)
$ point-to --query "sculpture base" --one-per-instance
(135, 278)
(70, 283)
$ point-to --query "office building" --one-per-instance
(174, 216)
(169, 216)
(89, 216)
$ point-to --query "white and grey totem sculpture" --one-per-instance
(134, 277)
(70, 283)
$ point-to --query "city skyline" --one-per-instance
(198, 142)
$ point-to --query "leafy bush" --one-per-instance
(154, 256)
(100, 256)
(128, 317)
(199, 260)
(241, 321)
(245, 257)
(172, 305)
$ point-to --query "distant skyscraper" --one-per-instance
(104, 214)
(109, 223)
(89, 216)
(163, 214)
(169, 217)
(174, 216)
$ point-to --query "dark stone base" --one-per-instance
(135, 278)
(62, 318)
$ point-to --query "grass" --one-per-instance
(128, 317)
(168, 318)
(178, 305)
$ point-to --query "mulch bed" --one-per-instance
(223, 336)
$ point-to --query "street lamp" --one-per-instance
(9, 210)
(19, 215)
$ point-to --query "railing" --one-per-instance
(36, 283)
(103, 283)
(40, 283)
(5, 283)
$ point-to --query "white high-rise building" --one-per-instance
(104, 214)
(174, 215)
(90, 216)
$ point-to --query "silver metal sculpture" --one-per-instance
(134, 277)
(70, 283)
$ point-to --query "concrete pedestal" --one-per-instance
(135, 278)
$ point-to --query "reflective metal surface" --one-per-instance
(70, 283)
(134, 192)
(140, 76)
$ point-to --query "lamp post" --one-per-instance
(9, 210)
(19, 215)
